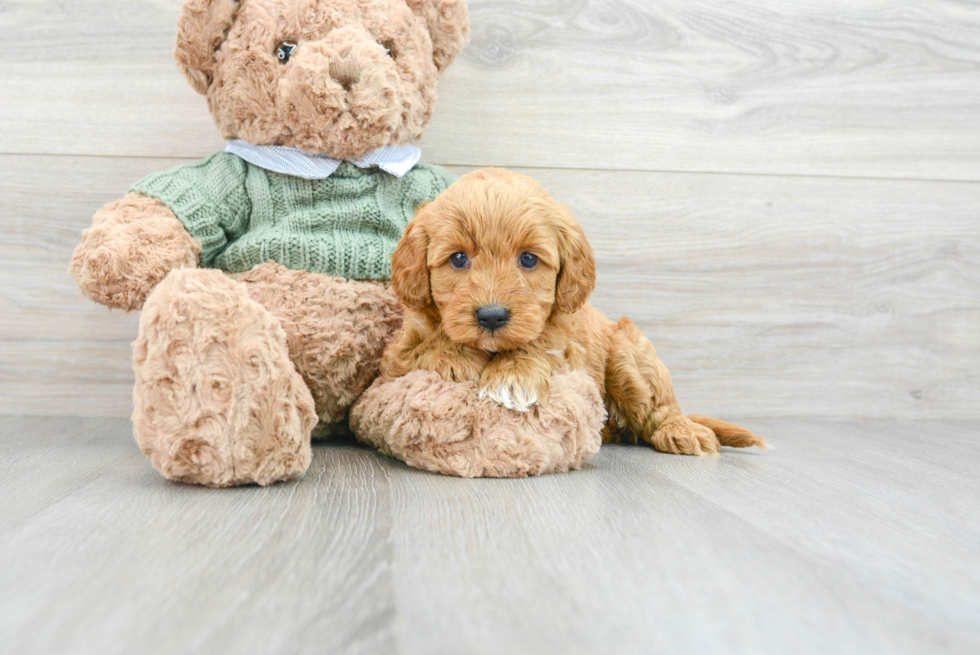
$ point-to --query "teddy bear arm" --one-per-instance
(131, 246)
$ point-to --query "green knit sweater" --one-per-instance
(346, 225)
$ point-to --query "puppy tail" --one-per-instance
(730, 434)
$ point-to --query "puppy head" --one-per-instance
(494, 257)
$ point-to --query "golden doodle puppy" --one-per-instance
(495, 275)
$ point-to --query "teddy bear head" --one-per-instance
(335, 77)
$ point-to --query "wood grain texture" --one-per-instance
(765, 296)
(120, 555)
(837, 87)
(848, 537)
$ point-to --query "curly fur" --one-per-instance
(217, 400)
(132, 245)
(227, 50)
(232, 375)
(494, 217)
(445, 427)
(336, 330)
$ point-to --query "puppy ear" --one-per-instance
(449, 27)
(201, 29)
(410, 267)
(576, 278)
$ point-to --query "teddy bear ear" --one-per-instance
(201, 29)
(449, 27)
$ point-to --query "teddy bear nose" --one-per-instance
(492, 317)
(346, 73)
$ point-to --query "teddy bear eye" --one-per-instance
(527, 260)
(389, 48)
(284, 50)
(459, 260)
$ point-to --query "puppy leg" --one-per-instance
(517, 379)
(640, 392)
(432, 351)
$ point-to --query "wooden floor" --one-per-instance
(848, 537)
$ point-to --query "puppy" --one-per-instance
(495, 275)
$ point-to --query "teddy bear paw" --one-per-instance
(132, 245)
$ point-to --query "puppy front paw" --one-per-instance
(513, 391)
(454, 367)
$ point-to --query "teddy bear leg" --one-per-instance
(336, 331)
(217, 400)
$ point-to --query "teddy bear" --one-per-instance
(262, 272)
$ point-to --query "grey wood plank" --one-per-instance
(862, 485)
(836, 87)
(766, 296)
(66, 378)
(128, 562)
(848, 537)
(43, 223)
(622, 560)
(46, 460)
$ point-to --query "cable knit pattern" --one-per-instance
(346, 225)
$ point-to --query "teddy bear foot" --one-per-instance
(446, 427)
(217, 400)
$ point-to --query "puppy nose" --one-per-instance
(492, 317)
(346, 73)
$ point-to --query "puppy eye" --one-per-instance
(459, 260)
(284, 50)
(389, 48)
(528, 260)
